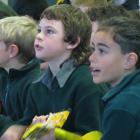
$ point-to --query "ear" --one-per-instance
(14, 50)
(131, 60)
(71, 46)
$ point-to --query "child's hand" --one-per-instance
(50, 135)
(40, 119)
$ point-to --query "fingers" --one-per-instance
(39, 119)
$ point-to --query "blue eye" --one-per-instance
(49, 31)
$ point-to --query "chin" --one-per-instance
(39, 56)
(97, 81)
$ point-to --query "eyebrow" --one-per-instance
(102, 44)
(46, 26)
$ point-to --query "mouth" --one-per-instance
(95, 71)
(38, 47)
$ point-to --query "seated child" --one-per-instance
(116, 60)
(17, 58)
(99, 14)
(84, 5)
(63, 41)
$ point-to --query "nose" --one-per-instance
(40, 36)
(92, 57)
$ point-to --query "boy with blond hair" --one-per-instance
(17, 58)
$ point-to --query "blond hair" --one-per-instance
(21, 31)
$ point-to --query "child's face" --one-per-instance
(49, 42)
(4, 55)
(107, 61)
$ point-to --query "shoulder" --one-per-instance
(82, 72)
(128, 100)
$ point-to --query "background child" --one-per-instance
(5, 11)
(99, 14)
(63, 41)
(84, 5)
(17, 57)
(115, 60)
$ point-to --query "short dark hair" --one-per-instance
(135, 14)
(105, 12)
(125, 32)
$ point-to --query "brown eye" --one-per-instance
(92, 49)
(102, 51)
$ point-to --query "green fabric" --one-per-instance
(121, 117)
(7, 9)
(79, 94)
(15, 92)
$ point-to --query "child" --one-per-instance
(5, 11)
(135, 14)
(17, 57)
(63, 41)
(99, 14)
(115, 60)
(84, 5)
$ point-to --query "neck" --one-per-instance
(55, 64)
(124, 75)
(15, 65)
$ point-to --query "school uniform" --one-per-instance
(14, 93)
(71, 89)
(3, 77)
(121, 118)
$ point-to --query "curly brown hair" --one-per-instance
(76, 24)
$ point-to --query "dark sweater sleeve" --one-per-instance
(118, 125)
(5, 122)
(26, 119)
(29, 112)
(87, 109)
